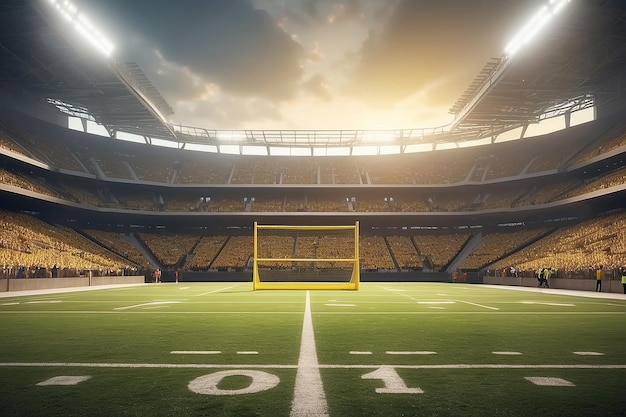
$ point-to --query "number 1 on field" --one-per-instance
(392, 381)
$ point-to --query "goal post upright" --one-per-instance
(356, 272)
(291, 257)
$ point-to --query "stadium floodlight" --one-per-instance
(540, 20)
(83, 25)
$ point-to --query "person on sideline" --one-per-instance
(600, 274)
(547, 273)
(540, 277)
(623, 273)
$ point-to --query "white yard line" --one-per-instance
(435, 302)
(152, 304)
(333, 312)
(479, 305)
(279, 366)
(549, 304)
(476, 313)
(145, 311)
(214, 291)
(309, 399)
(475, 366)
(44, 302)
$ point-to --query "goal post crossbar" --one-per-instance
(291, 227)
(305, 259)
(298, 265)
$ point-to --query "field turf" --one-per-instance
(389, 349)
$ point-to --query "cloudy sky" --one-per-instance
(310, 64)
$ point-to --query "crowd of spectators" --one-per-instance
(440, 249)
(506, 165)
(255, 171)
(44, 148)
(82, 194)
(575, 249)
(417, 170)
(298, 172)
(496, 245)
(138, 200)
(205, 252)
(31, 248)
(114, 167)
(118, 243)
(374, 254)
(338, 170)
(409, 205)
(131, 161)
(258, 201)
(546, 161)
(27, 183)
(276, 247)
(616, 177)
(614, 138)
(151, 168)
(235, 255)
(196, 172)
(170, 250)
(547, 192)
(7, 143)
(267, 204)
(405, 253)
(503, 198)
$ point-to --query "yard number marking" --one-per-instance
(392, 381)
(208, 384)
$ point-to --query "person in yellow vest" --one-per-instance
(547, 273)
(623, 271)
(599, 278)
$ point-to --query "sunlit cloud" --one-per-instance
(310, 64)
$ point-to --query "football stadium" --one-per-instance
(156, 267)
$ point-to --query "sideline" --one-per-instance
(9, 294)
(557, 291)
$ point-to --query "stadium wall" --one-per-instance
(246, 276)
(27, 284)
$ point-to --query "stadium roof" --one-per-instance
(578, 62)
(41, 61)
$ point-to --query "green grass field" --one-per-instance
(389, 349)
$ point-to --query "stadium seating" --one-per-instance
(130, 176)
(31, 248)
(576, 249)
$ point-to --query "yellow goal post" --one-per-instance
(288, 257)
